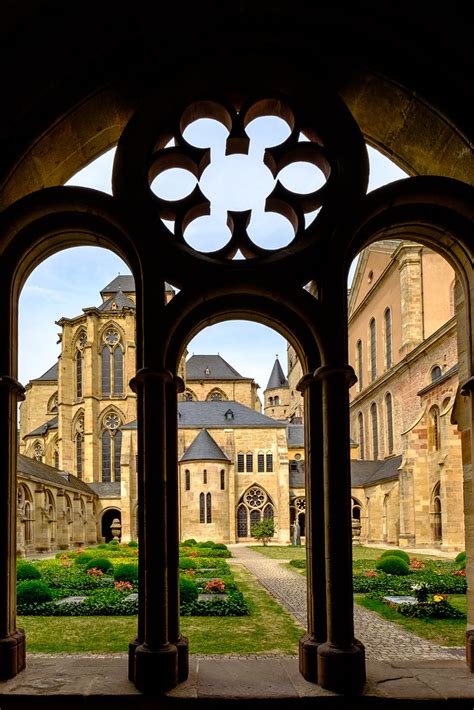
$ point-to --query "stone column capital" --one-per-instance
(467, 387)
(147, 375)
(9, 383)
(307, 381)
(344, 371)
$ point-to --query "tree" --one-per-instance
(264, 530)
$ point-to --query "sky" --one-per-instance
(71, 280)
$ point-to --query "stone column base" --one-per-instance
(470, 649)
(132, 647)
(182, 644)
(12, 654)
(156, 669)
(342, 670)
(308, 655)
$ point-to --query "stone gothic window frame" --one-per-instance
(256, 506)
(112, 436)
(112, 349)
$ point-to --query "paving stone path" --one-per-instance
(383, 640)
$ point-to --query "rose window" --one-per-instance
(82, 341)
(111, 336)
(300, 503)
(255, 498)
(112, 421)
(38, 451)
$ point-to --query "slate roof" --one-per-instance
(295, 435)
(277, 377)
(212, 415)
(125, 283)
(121, 301)
(49, 375)
(367, 473)
(35, 469)
(106, 490)
(198, 365)
(204, 448)
(41, 430)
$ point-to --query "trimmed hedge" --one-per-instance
(384, 584)
(431, 610)
(126, 573)
(83, 558)
(396, 553)
(26, 570)
(33, 591)
(187, 563)
(299, 564)
(393, 565)
(188, 591)
(100, 563)
(234, 605)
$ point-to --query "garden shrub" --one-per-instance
(396, 553)
(101, 563)
(187, 563)
(188, 591)
(461, 560)
(209, 543)
(384, 584)
(190, 543)
(299, 564)
(102, 546)
(33, 591)
(26, 570)
(132, 543)
(83, 558)
(112, 543)
(220, 546)
(393, 565)
(431, 610)
(126, 573)
(233, 605)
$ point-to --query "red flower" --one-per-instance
(459, 572)
(215, 586)
(370, 573)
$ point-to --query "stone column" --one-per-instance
(341, 660)
(12, 640)
(172, 497)
(77, 522)
(411, 294)
(91, 526)
(156, 659)
(315, 529)
(42, 536)
(61, 522)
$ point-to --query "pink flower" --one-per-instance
(215, 586)
(370, 573)
(95, 572)
(123, 586)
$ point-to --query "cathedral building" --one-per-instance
(236, 464)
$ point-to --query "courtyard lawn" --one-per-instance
(444, 632)
(298, 552)
(268, 630)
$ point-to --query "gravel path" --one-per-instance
(383, 640)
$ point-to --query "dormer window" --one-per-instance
(229, 415)
(207, 371)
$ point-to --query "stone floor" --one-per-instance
(402, 670)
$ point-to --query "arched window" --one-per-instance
(204, 476)
(270, 401)
(360, 423)
(79, 455)
(208, 508)
(79, 390)
(388, 337)
(276, 400)
(28, 518)
(38, 451)
(202, 512)
(360, 376)
(249, 462)
(375, 431)
(187, 480)
(56, 457)
(222, 480)
(435, 373)
(253, 505)
(389, 413)
(373, 350)
(242, 521)
(437, 525)
(260, 463)
(111, 448)
(216, 395)
(434, 438)
(188, 396)
(53, 404)
(112, 363)
(269, 462)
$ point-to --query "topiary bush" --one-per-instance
(187, 563)
(396, 553)
(220, 546)
(189, 543)
(461, 560)
(188, 591)
(132, 543)
(102, 546)
(112, 543)
(299, 564)
(26, 570)
(101, 563)
(393, 565)
(209, 543)
(126, 573)
(33, 591)
(83, 558)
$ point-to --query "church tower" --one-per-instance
(276, 394)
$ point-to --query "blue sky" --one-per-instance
(71, 280)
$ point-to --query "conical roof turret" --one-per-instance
(277, 377)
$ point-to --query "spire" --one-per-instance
(277, 377)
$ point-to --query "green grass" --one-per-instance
(268, 630)
(291, 552)
(444, 632)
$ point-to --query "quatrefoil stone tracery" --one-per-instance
(112, 421)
